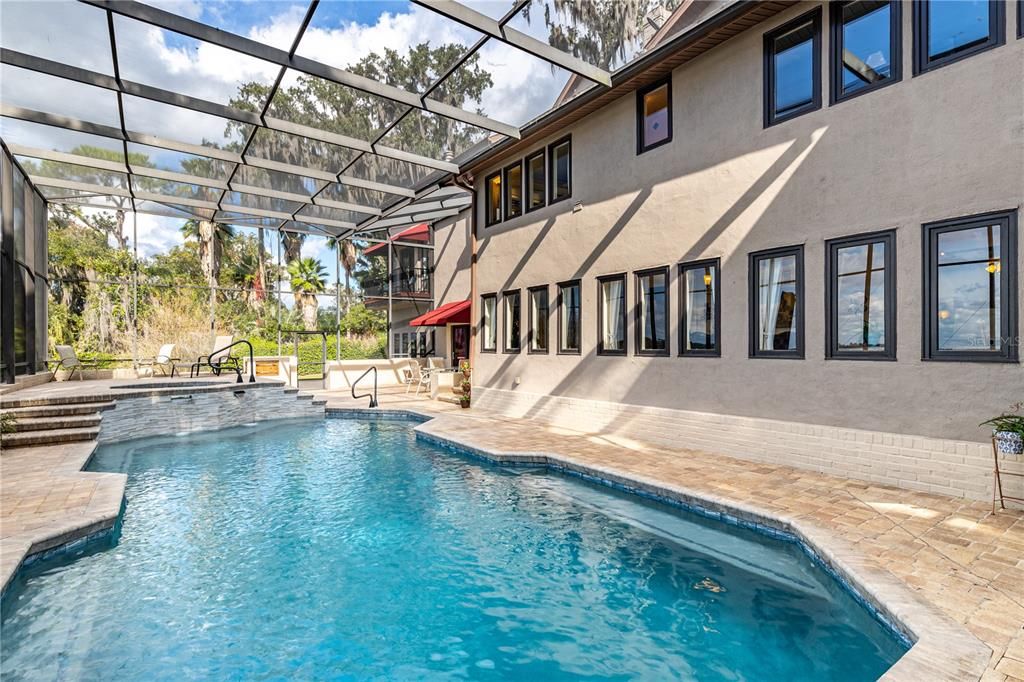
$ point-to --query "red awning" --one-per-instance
(456, 312)
(416, 233)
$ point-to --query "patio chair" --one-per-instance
(219, 358)
(67, 359)
(164, 359)
(410, 374)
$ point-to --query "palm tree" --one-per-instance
(248, 276)
(211, 237)
(349, 258)
(308, 278)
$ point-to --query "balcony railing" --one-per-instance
(415, 283)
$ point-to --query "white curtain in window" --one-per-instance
(490, 336)
(613, 300)
(770, 281)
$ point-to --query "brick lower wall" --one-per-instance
(947, 467)
(156, 415)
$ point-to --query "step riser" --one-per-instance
(52, 401)
(15, 440)
(59, 410)
(46, 423)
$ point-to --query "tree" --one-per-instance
(308, 278)
(212, 238)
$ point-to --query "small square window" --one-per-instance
(946, 32)
(560, 170)
(777, 303)
(513, 333)
(536, 181)
(970, 288)
(701, 308)
(538, 320)
(792, 69)
(611, 315)
(569, 318)
(513, 182)
(652, 312)
(492, 200)
(860, 295)
(488, 323)
(865, 43)
(654, 116)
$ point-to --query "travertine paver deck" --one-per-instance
(954, 554)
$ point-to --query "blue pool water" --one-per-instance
(349, 550)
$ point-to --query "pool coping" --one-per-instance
(941, 648)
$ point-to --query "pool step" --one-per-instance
(8, 403)
(60, 410)
(23, 424)
(48, 437)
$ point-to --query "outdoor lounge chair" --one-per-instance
(164, 359)
(67, 359)
(219, 358)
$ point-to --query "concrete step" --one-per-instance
(60, 410)
(10, 402)
(304, 396)
(23, 424)
(448, 399)
(48, 437)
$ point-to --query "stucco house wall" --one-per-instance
(947, 143)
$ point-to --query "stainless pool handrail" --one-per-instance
(373, 398)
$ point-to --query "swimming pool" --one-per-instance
(349, 550)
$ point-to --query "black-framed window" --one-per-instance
(970, 288)
(652, 304)
(792, 68)
(777, 303)
(538, 319)
(488, 323)
(865, 47)
(653, 116)
(512, 181)
(569, 311)
(860, 297)
(611, 315)
(1020, 19)
(492, 199)
(946, 31)
(700, 307)
(560, 170)
(536, 181)
(511, 321)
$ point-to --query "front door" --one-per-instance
(460, 343)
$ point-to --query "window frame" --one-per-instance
(923, 63)
(530, 291)
(1020, 19)
(836, 94)
(506, 327)
(640, 94)
(832, 247)
(506, 187)
(487, 198)
(542, 153)
(601, 350)
(638, 302)
(1009, 293)
(768, 79)
(715, 352)
(551, 200)
(494, 323)
(752, 303)
(561, 349)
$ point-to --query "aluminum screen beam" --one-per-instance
(493, 28)
(194, 29)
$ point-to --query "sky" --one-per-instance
(341, 33)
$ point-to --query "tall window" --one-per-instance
(492, 199)
(652, 312)
(701, 313)
(560, 173)
(860, 293)
(536, 181)
(569, 317)
(611, 318)
(488, 328)
(792, 69)
(654, 116)
(945, 31)
(970, 288)
(538, 326)
(513, 191)
(512, 328)
(865, 46)
(776, 303)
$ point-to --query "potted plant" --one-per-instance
(464, 398)
(465, 368)
(1008, 430)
